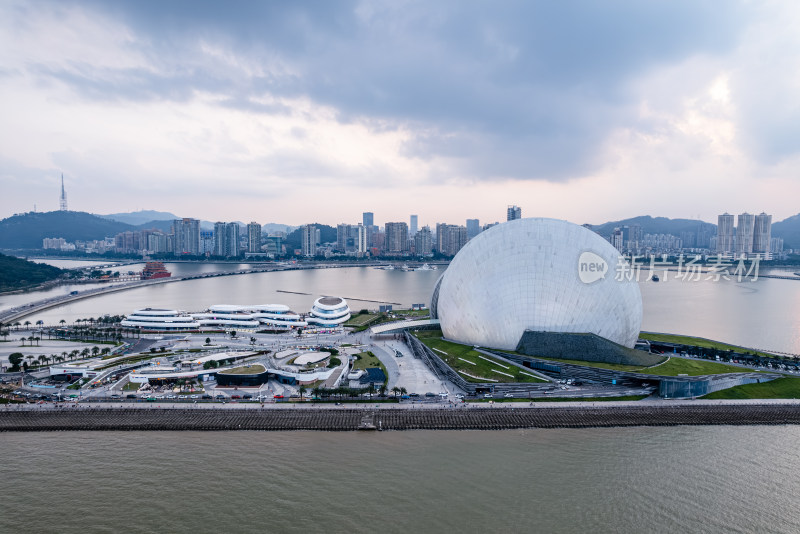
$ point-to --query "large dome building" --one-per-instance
(539, 275)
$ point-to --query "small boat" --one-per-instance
(425, 267)
(655, 278)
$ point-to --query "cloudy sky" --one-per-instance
(300, 111)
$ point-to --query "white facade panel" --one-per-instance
(524, 275)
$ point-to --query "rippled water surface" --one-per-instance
(682, 479)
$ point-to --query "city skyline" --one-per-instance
(446, 111)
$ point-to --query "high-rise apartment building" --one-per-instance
(206, 242)
(473, 228)
(361, 245)
(450, 238)
(219, 239)
(253, 238)
(186, 234)
(725, 233)
(744, 234)
(367, 218)
(396, 237)
(762, 233)
(412, 229)
(308, 240)
(232, 240)
(617, 239)
(513, 213)
(423, 241)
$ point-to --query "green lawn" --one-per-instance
(678, 366)
(133, 359)
(365, 360)
(700, 342)
(363, 319)
(413, 313)
(484, 368)
(245, 370)
(672, 367)
(781, 388)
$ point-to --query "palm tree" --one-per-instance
(403, 391)
(27, 324)
(36, 339)
(62, 322)
(85, 352)
(303, 391)
(23, 340)
(382, 390)
(396, 391)
(95, 350)
(29, 357)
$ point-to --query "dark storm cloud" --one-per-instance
(506, 89)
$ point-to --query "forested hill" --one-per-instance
(327, 234)
(656, 225)
(16, 273)
(27, 230)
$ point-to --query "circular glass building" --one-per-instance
(540, 275)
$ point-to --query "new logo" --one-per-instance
(591, 267)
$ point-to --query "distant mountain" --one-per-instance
(27, 230)
(137, 218)
(656, 225)
(789, 230)
(144, 219)
(275, 227)
(164, 226)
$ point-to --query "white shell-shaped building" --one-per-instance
(537, 274)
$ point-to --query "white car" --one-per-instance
(508, 396)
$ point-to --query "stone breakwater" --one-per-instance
(346, 419)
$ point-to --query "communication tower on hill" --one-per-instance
(63, 200)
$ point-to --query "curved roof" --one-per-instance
(330, 301)
(311, 357)
(536, 274)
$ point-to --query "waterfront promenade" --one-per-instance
(28, 418)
